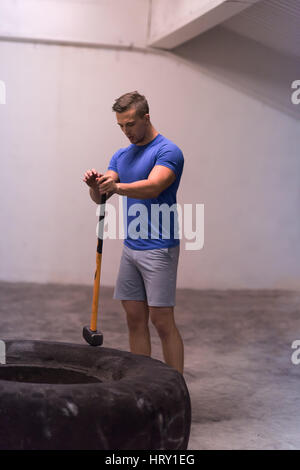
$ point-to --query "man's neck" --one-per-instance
(151, 136)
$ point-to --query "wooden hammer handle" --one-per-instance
(96, 290)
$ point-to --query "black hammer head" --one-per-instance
(94, 338)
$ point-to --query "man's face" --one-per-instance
(133, 126)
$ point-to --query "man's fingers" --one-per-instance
(91, 176)
(88, 174)
(102, 179)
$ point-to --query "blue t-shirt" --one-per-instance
(149, 223)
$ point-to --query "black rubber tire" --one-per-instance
(140, 403)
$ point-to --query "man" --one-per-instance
(147, 172)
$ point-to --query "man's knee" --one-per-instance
(137, 313)
(163, 319)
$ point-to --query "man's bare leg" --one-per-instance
(137, 320)
(172, 344)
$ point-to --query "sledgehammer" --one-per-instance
(91, 334)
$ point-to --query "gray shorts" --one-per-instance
(148, 275)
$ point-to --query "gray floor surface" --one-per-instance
(244, 387)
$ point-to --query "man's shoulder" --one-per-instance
(167, 145)
(121, 151)
(165, 142)
(115, 159)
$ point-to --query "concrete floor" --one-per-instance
(243, 385)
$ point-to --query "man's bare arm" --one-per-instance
(159, 179)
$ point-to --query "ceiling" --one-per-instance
(274, 23)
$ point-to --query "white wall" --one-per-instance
(171, 15)
(173, 22)
(241, 161)
(102, 22)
